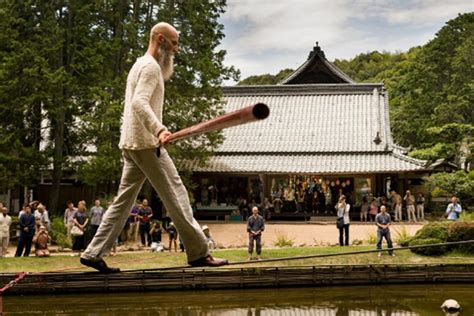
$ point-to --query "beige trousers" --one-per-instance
(163, 176)
(4, 241)
(411, 213)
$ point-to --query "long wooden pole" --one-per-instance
(245, 115)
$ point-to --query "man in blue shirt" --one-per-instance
(454, 209)
(255, 227)
(27, 231)
(382, 220)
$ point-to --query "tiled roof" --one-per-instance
(310, 118)
(310, 163)
(313, 129)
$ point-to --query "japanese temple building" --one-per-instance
(324, 131)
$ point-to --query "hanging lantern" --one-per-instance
(328, 182)
(338, 182)
(333, 184)
(348, 182)
(343, 184)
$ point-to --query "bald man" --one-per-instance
(142, 137)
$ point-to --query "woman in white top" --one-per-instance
(343, 211)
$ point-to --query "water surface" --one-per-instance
(350, 300)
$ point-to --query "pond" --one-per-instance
(354, 300)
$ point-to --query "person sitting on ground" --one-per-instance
(210, 239)
(41, 240)
(255, 227)
(454, 209)
(155, 233)
(173, 237)
(382, 220)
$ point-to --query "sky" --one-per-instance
(266, 36)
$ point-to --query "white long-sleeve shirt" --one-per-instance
(142, 114)
(5, 222)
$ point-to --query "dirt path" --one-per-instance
(230, 235)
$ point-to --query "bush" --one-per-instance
(58, 233)
(437, 230)
(429, 251)
(402, 238)
(283, 241)
(460, 231)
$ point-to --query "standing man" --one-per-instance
(5, 222)
(41, 215)
(454, 209)
(142, 134)
(420, 206)
(410, 202)
(397, 205)
(27, 231)
(69, 213)
(255, 227)
(144, 216)
(382, 220)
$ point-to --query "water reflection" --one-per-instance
(337, 301)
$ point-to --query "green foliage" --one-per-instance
(460, 231)
(58, 233)
(428, 251)
(371, 238)
(437, 230)
(402, 236)
(266, 79)
(63, 67)
(460, 183)
(440, 232)
(282, 240)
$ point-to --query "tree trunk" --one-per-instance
(58, 157)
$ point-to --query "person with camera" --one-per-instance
(454, 209)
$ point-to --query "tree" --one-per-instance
(64, 65)
(267, 78)
(460, 183)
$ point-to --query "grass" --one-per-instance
(147, 260)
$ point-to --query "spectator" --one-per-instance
(210, 239)
(343, 211)
(144, 216)
(173, 237)
(42, 217)
(27, 231)
(410, 203)
(80, 221)
(255, 227)
(133, 223)
(41, 240)
(69, 217)
(382, 220)
(374, 209)
(97, 212)
(397, 205)
(155, 233)
(266, 205)
(5, 222)
(364, 209)
(420, 206)
(454, 209)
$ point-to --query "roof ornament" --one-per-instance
(377, 140)
(316, 51)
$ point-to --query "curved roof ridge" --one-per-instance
(317, 53)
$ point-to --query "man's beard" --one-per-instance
(166, 61)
